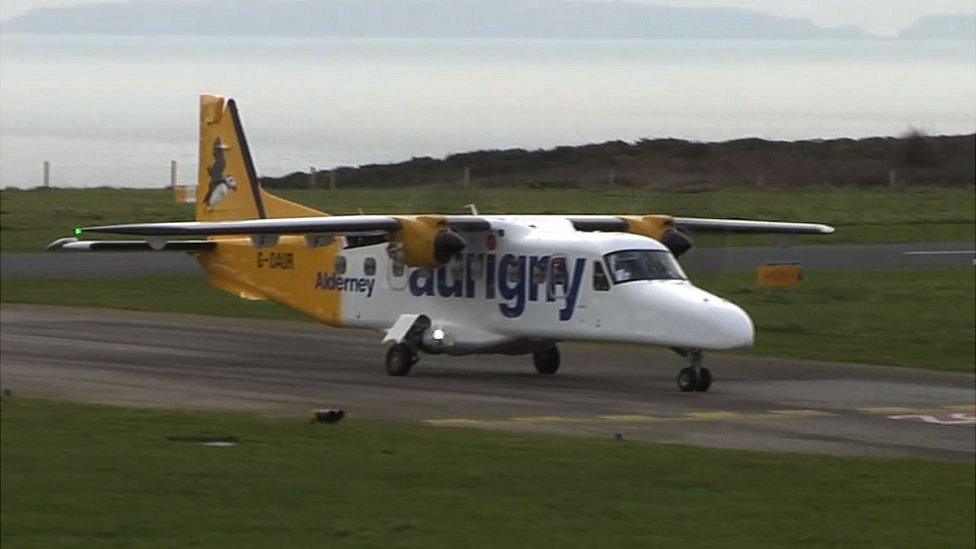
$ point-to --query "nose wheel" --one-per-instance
(694, 377)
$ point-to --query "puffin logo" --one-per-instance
(220, 185)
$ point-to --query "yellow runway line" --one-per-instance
(704, 416)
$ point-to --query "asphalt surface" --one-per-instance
(698, 260)
(286, 369)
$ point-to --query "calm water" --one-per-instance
(115, 110)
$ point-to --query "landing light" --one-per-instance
(437, 334)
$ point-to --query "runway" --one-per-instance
(286, 369)
(698, 260)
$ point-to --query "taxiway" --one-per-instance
(288, 368)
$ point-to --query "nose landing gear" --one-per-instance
(694, 377)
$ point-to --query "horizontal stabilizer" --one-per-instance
(75, 245)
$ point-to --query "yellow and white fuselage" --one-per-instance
(453, 284)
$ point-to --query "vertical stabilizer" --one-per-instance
(228, 187)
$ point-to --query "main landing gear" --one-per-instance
(546, 361)
(694, 377)
(399, 359)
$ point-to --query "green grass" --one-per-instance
(171, 294)
(922, 319)
(88, 476)
(29, 220)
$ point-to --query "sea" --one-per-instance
(116, 110)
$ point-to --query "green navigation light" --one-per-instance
(78, 231)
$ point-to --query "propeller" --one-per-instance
(446, 245)
(677, 242)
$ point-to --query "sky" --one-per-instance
(881, 17)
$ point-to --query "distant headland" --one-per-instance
(545, 19)
(911, 160)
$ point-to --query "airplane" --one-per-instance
(444, 283)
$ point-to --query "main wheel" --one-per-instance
(704, 380)
(687, 380)
(547, 361)
(399, 360)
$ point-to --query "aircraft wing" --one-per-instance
(702, 224)
(376, 224)
(345, 224)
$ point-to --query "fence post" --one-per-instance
(47, 173)
(332, 179)
(311, 177)
(466, 177)
(172, 174)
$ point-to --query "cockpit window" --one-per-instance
(629, 265)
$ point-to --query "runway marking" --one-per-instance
(458, 422)
(542, 419)
(704, 416)
(941, 418)
(884, 410)
(952, 414)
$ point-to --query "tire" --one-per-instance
(547, 361)
(704, 380)
(399, 360)
(687, 380)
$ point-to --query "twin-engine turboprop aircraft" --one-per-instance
(451, 284)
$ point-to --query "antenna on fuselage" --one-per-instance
(472, 208)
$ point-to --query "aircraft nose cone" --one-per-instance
(686, 316)
(732, 327)
(446, 244)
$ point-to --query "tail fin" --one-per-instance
(228, 184)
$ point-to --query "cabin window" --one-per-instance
(600, 281)
(512, 273)
(340, 264)
(398, 268)
(558, 277)
(456, 267)
(476, 267)
(423, 275)
(369, 266)
(539, 272)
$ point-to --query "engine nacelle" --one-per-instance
(424, 241)
(651, 226)
(660, 228)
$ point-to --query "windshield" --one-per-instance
(643, 265)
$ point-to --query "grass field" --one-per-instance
(924, 319)
(29, 220)
(90, 476)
